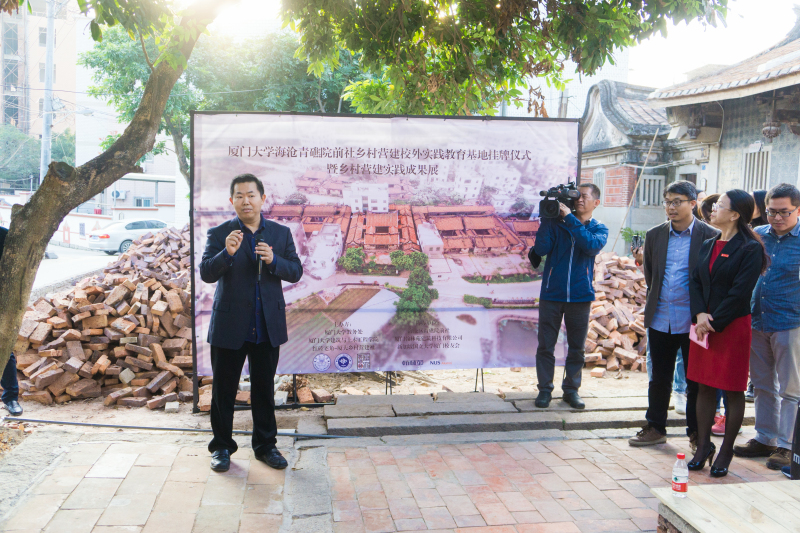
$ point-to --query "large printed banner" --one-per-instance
(413, 232)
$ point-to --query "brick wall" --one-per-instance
(619, 184)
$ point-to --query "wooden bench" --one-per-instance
(716, 508)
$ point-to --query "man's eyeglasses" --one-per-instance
(674, 203)
(783, 214)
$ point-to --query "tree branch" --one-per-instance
(64, 187)
(144, 49)
(177, 139)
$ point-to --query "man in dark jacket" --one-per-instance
(9, 380)
(570, 243)
(670, 256)
(247, 257)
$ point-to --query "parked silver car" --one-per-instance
(118, 236)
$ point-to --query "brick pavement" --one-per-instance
(524, 487)
(557, 486)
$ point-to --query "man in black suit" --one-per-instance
(247, 257)
(9, 380)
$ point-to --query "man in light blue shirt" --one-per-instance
(670, 255)
(775, 348)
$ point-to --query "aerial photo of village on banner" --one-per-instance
(413, 232)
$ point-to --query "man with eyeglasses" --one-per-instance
(775, 348)
(670, 255)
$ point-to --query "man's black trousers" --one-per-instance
(227, 367)
(9, 381)
(663, 352)
(576, 320)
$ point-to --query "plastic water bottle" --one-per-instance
(680, 477)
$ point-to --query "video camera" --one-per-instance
(560, 194)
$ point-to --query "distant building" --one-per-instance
(324, 250)
(747, 114)
(506, 185)
(430, 240)
(466, 229)
(367, 197)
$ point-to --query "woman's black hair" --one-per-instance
(706, 205)
(759, 197)
(744, 204)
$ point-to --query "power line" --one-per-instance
(112, 94)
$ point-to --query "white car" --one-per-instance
(118, 236)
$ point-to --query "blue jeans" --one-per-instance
(678, 379)
(9, 381)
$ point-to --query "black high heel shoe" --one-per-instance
(720, 472)
(699, 465)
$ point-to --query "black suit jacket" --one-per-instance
(725, 292)
(235, 297)
(655, 259)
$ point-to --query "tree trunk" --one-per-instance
(319, 96)
(180, 153)
(65, 188)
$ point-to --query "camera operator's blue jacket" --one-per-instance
(570, 248)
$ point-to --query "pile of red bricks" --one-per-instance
(617, 338)
(125, 335)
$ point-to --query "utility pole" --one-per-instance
(47, 108)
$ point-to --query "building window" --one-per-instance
(43, 37)
(756, 167)
(143, 202)
(10, 39)
(599, 179)
(11, 73)
(41, 107)
(42, 70)
(11, 110)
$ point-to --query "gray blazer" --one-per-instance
(655, 259)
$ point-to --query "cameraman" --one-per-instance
(570, 243)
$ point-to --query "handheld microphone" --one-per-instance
(259, 239)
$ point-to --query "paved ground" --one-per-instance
(113, 482)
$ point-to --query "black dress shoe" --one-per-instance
(573, 400)
(543, 400)
(221, 461)
(14, 408)
(699, 465)
(273, 458)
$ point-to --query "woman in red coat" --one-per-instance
(727, 270)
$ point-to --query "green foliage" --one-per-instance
(297, 199)
(487, 195)
(20, 155)
(401, 260)
(352, 260)
(420, 277)
(521, 207)
(486, 302)
(256, 74)
(419, 259)
(453, 57)
(628, 233)
(513, 278)
(415, 299)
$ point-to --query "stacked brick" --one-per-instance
(124, 336)
(617, 338)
